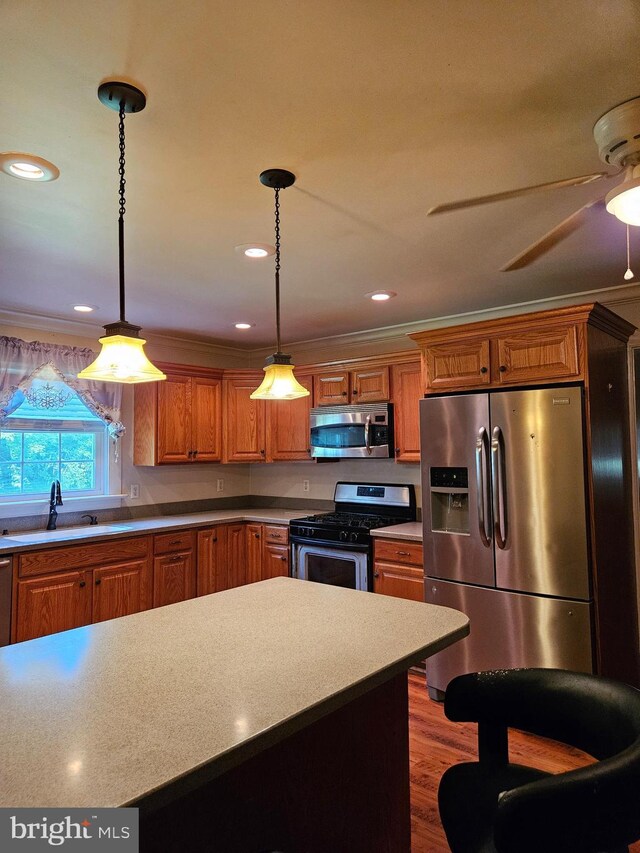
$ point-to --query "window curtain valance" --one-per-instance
(21, 361)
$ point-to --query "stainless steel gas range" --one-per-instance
(336, 547)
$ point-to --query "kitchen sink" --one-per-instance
(44, 536)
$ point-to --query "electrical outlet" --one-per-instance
(220, 486)
(134, 490)
(305, 485)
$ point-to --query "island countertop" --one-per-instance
(112, 713)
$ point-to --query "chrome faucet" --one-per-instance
(54, 501)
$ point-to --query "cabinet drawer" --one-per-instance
(168, 543)
(82, 556)
(279, 535)
(397, 551)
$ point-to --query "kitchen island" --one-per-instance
(271, 716)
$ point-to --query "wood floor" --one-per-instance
(435, 743)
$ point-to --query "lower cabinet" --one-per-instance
(212, 574)
(275, 561)
(174, 567)
(59, 601)
(398, 569)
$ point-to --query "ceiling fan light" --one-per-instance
(279, 382)
(624, 200)
(122, 359)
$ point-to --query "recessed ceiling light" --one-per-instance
(256, 250)
(244, 325)
(85, 309)
(381, 295)
(27, 167)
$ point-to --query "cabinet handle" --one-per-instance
(214, 540)
(483, 370)
(502, 368)
(257, 535)
(284, 559)
(174, 542)
(262, 452)
(82, 583)
(190, 454)
(397, 449)
(355, 390)
(402, 553)
(344, 393)
(4, 563)
(98, 581)
(175, 559)
(195, 454)
(376, 574)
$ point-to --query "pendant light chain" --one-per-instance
(122, 210)
(277, 212)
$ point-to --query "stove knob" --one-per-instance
(343, 535)
(354, 537)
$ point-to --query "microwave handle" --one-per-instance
(367, 434)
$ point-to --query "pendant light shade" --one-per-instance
(279, 382)
(122, 358)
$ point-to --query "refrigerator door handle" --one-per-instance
(499, 487)
(482, 446)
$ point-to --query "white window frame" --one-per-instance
(108, 472)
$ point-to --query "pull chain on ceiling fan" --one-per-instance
(617, 135)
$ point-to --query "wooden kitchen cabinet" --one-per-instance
(46, 605)
(236, 555)
(288, 426)
(179, 420)
(174, 567)
(254, 552)
(528, 349)
(244, 420)
(57, 589)
(121, 590)
(406, 390)
(212, 575)
(275, 561)
(360, 385)
(398, 569)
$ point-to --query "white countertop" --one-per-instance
(127, 527)
(411, 531)
(106, 714)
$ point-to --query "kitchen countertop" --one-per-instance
(107, 714)
(411, 531)
(127, 528)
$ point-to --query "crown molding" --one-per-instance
(391, 338)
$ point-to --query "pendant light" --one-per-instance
(122, 358)
(279, 382)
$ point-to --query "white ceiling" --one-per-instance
(382, 108)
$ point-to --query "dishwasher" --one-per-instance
(5, 600)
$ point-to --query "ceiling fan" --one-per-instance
(617, 135)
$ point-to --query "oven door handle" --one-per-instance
(367, 434)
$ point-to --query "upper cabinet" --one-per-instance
(360, 385)
(406, 391)
(288, 426)
(179, 420)
(245, 437)
(537, 348)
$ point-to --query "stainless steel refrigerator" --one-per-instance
(506, 530)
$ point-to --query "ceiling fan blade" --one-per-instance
(553, 237)
(487, 199)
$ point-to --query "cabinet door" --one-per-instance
(275, 561)
(537, 354)
(212, 560)
(174, 578)
(399, 581)
(457, 364)
(121, 589)
(406, 386)
(254, 552)
(244, 422)
(206, 419)
(51, 604)
(331, 388)
(288, 426)
(370, 385)
(236, 555)
(174, 419)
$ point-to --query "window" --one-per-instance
(50, 436)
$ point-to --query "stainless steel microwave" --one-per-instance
(364, 431)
